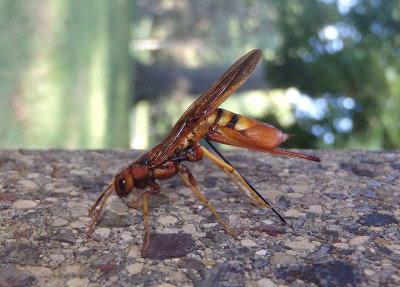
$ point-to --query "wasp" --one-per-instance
(203, 119)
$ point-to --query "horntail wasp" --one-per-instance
(203, 119)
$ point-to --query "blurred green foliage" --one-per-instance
(332, 51)
(65, 73)
(66, 78)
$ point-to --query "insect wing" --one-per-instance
(231, 80)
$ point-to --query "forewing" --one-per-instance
(232, 79)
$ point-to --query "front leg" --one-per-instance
(155, 189)
(132, 204)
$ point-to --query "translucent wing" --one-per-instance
(206, 104)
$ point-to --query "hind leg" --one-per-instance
(191, 183)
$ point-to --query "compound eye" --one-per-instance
(122, 184)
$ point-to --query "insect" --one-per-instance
(203, 119)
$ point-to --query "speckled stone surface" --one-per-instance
(343, 215)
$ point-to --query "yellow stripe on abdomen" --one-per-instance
(234, 121)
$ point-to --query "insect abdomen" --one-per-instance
(234, 129)
(224, 118)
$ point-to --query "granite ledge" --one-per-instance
(342, 213)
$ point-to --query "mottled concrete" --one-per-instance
(343, 216)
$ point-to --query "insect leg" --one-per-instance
(132, 204)
(252, 192)
(110, 187)
(226, 167)
(246, 193)
(191, 183)
(155, 190)
(99, 199)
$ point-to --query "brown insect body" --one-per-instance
(202, 119)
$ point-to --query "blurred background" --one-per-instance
(118, 74)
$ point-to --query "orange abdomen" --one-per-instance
(237, 130)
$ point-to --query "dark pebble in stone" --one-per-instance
(282, 203)
(364, 207)
(346, 252)
(210, 182)
(377, 255)
(95, 237)
(142, 280)
(356, 229)
(212, 219)
(18, 234)
(366, 192)
(356, 170)
(396, 166)
(59, 172)
(85, 253)
(395, 258)
(393, 177)
(239, 253)
(115, 270)
(374, 183)
(260, 263)
(170, 245)
(192, 264)
(19, 253)
(377, 219)
(5, 159)
(217, 237)
(271, 231)
(384, 250)
(333, 273)
(222, 275)
(107, 267)
(337, 196)
(319, 253)
(11, 221)
(20, 166)
(365, 160)
(8, 197)
(111, 219)
(64, 237)
(103, 260)
(208, 242)
(13, 277)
